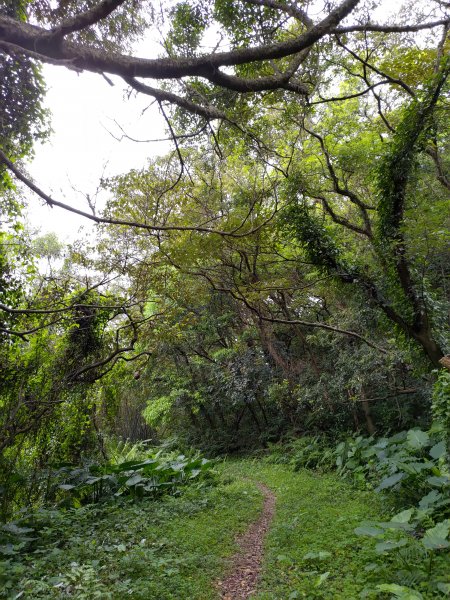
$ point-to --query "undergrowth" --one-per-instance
(410, 472)
(169, 548)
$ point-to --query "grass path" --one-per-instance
(178, 548)
(311, 549)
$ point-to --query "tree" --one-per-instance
(268, 190)
(396, 284)
(280, 60)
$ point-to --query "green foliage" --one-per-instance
(308, 452)
(153, 475)
(48, 413)
(117, 32)
(23, 119)
(320, 244)
(413, 558)
(188, 23)
(311, 549)
(230, 341)
(411, 471)
(170, 547)
(395, 168)
(410, 466)
(119, 451)
(378, 246)
(441, 407)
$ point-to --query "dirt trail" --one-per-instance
(246, 565)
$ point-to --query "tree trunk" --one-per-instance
(367, 413)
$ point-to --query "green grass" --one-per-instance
(174, 548)
(314, 513)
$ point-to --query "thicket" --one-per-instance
(410, 470)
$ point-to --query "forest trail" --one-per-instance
(243, 577)
(260, 531)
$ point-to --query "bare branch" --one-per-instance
(315, 325)
(442, 177)
(391, 28)
(23, 334)
(343, 191)
(109, 221)
(208, 112)
(349, 96)
(383, 74)
(340, 220)
(177, 149)
(310, 324)
(124, 135)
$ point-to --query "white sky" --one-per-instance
(83, 107)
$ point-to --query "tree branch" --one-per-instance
(373, 27)
(290, 9)
(136, 224)
(37, 39)
(85, 19)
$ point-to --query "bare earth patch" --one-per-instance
(242, 581)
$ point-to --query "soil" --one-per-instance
(245, 567)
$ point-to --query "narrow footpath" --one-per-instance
(243, 577)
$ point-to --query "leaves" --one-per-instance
(321, 555)
(390, 481)
(418, 439)
(371, 530)
(388, 545)
(403, 517)
(155, 475)
(322, 577)
(438, 450)
(436, 537)
(407, 539)
(400, 591)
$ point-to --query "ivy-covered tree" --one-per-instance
(392, 274)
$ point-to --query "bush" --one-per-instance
(411, 471)
(306, 452)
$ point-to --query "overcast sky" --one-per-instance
(81, 149)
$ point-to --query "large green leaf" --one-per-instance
(390, 481)
(438, 450)
(430, 499)
(414, 467)
(323, 577)
(418, 439)
(371, 530)
(439, 481)
(400, 591)
(321, 555)
(403, 517)
(388, 545)
(436, 537)
(134, 480)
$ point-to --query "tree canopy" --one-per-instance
(284, 266)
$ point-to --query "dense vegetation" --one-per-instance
(277, 286)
